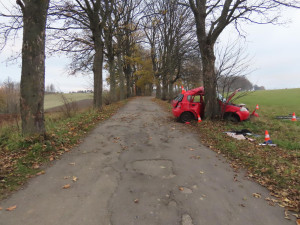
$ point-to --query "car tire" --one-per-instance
(186, 117)
(232, 117)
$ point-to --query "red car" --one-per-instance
(189, 105)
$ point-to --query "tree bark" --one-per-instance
(97, 70)
(112, 76)
(121, 77)
(171, 92)
(33, 66)
(212, 109)
(158, 89)
(127, 72)
(164, 88)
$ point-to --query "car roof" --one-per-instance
(198, 90)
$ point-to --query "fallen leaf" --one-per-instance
(298, 221)
(74, 178)
(66, 186)
(195, 157)
(1, 208)
(136, 201)
(35, 166)
(201, 172)
(191, 149)
(181, 188)
(40, 173)
(72, 164)
(242, 205)
(286, 215)
(12, 208)
(256, 195)
(51, 158)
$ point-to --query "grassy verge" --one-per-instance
(22, 158)
(276, 168)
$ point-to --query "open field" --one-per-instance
(274, 102)
(277, 168)
(54, 100)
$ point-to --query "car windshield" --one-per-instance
(179, 98)
(221, 97)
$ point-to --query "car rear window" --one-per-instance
(179, 98)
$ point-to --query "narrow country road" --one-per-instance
(141, 168)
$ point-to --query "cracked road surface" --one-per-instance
(141, 168)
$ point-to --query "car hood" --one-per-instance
(232, 95)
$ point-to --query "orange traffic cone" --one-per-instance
(199, 119)
(257, 107)
(294, 117)
(182, 90)
(267, 136)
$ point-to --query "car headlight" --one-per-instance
(243, 109)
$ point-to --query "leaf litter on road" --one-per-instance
(67, 186)
(12, 208)
(256, 195)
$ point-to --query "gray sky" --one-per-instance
(275, 51)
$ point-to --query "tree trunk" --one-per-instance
(171, 92)
(97, 70)
(158, 89)
(164, 88)
(121, 77)
(128, 83)
(33, 67)
(212, 109)
(112, 79)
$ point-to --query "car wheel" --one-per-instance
(186, 117)
(232, 117)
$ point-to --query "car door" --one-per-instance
(195, 104)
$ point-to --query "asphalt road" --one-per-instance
(141, 168)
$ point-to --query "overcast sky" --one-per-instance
(275, 51)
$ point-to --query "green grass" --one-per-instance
(274, 102)
(54, 100)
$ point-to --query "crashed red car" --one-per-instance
(189, 105)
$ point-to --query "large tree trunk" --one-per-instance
(158, 89)
(164, 88)
(112, 79)
(127, 72)
(97, 70)
(33, 66)
(121, 77)
(171, 92)
(212, 109)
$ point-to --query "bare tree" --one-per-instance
(232, 67)
(169, 31)
(212, 17)
(81, 36)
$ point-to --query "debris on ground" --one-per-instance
(289, 117)
(241, 134)
(269, 143)
(236, 136)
